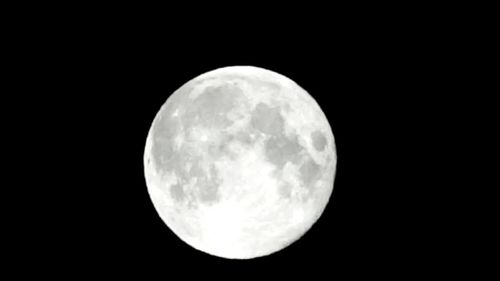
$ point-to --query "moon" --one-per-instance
(240, 162)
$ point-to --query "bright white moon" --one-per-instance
(240, 162)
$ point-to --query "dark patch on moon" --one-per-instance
(318, 140)
(267, 120)
(222, 147)
(309, 172)
(280, 149)
(285, 190)
(176, 162)
(244, 136)
(177, 192)
(165, 129)
(211, 107)
(208, 110)
(206, 188)
(209, 186)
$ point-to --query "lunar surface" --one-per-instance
(240, 162)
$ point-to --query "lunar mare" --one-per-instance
(240, 162)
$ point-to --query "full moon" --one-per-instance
(240, 162)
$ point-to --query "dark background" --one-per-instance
(380, 86)
(369, 95)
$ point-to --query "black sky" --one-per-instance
(105, 84)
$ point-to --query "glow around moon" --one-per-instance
(240, 162)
